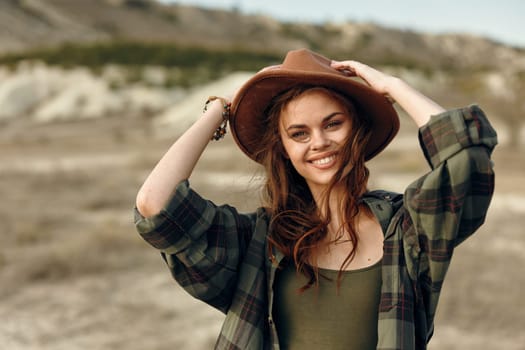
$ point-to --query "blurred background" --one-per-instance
(93, 92)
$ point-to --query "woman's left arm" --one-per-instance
(417, 105)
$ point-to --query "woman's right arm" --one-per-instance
(178, 162)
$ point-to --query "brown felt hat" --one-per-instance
(307, 67)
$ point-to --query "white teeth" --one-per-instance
(324, 160)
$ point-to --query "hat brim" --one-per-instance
(250, 103)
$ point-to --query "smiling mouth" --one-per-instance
(324, 160)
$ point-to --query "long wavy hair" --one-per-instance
(298, 226)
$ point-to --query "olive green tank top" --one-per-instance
(322, 318)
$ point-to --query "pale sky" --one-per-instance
(503, 20)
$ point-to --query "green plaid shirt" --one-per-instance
(220, 256)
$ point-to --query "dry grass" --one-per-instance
(75, 275)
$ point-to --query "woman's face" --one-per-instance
(314, 127)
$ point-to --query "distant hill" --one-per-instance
(138, 52)
(30, 24)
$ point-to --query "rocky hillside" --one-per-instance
(455, 69)
(27, 24)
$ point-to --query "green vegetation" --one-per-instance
(199, 64)
(187, 66)
(138, 54)
(196, 64)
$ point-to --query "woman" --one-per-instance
(324, 263)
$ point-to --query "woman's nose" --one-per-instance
(319, 141)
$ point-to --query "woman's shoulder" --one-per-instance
(384, 195)
(384, 205)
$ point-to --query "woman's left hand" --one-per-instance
(377, 80)
(417, 105)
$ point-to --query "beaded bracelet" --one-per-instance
(221, 130)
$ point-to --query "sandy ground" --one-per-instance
(75, 275)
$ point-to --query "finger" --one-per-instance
(390, 99)
(344, 68)
(348, 63)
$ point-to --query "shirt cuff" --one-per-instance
(162, 230)
(449, 132)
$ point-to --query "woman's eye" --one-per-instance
(299, 135)
(333, 124)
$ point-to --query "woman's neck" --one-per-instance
(334, 198)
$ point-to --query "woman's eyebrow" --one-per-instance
(325, 119)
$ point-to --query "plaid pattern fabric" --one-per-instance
(220, 256)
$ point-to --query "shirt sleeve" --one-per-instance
(446, 205)
(450, 202)
(202, 243)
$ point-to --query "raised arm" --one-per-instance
(417, 105)
(178, 162)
